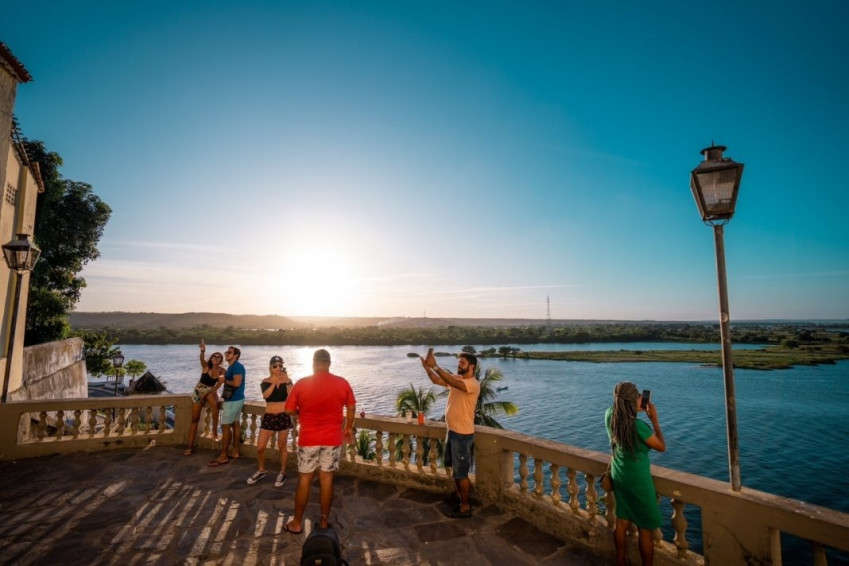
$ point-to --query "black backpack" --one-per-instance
(322, 548)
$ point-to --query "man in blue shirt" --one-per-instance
(231, 409)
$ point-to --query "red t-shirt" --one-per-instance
(319, 400)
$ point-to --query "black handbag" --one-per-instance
(227, 392)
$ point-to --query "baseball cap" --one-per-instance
(275, 360)
(321, 355)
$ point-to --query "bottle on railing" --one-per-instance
(409, 416)
(421, 417)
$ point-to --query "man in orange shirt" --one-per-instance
(317, 401)
(463, 394)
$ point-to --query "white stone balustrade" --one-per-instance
(549, 484)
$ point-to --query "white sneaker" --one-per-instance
(281, 479)
(258, 475)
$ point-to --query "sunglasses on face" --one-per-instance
(275, 366)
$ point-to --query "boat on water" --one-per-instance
(502, 388)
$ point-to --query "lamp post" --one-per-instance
(714, 184)
(117, 362)
(20, 256)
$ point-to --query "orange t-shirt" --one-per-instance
(460, 409)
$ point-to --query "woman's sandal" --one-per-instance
(188, 451)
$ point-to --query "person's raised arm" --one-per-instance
(445, 377)
(655, 441)
(203, 365)
(432, 375)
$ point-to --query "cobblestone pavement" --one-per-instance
(157, 506)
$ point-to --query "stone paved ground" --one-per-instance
(156, 506)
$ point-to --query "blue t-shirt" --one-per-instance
(236, 369)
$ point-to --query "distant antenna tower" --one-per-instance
(548, 309)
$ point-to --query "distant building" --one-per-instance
(21, 185)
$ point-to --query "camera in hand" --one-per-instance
(646, 398)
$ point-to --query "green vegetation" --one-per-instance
(135, 367)
(487, 407)
(572, 333)
(69, 222)
(774, 357)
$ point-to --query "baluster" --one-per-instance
(679, 523)
(162, 419)
(60, 424)
(538, 464)
(405, 452)
(78, 421)
(41, 428)
(92, 422)
(107, 423)
(148, 417)
(818, 551)
(206, 419)
(573, 490)
(352, 448)
(610, 513)
(419, 453)
(121, 421)
(378, 447)
(775, 546)
(555, 484)
(134, 420)
(243, 419)
(523, 473)
(592, 497)
(252, 437)
(393, 440)
(433, 455)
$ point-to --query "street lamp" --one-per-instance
(714, 184)
(20, 256)
(117, 362)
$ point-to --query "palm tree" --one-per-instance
(364, 445)
(414, 400)
(487, 407)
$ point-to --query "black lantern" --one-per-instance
(714, 184)
(20, 256)
(117, 362)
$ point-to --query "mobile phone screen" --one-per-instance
(646, 397)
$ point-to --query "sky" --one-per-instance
(447, 159)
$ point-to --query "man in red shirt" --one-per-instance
(317, 401)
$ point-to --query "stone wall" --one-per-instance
(55, 370)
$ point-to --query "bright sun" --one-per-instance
(315, 281)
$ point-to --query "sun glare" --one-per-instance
(316, 281)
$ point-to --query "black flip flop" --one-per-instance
(293, 531)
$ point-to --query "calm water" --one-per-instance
(793, 424)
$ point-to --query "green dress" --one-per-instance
(636, 499)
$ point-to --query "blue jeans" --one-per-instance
(459, 454)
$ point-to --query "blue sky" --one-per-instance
(446, 159)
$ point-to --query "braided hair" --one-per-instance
(623, 422)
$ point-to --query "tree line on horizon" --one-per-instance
(461, 335)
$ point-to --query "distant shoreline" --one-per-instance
(771, 358)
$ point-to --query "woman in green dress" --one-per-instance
(630, 440)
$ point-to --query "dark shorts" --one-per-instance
(276, 421)
(459, 454)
